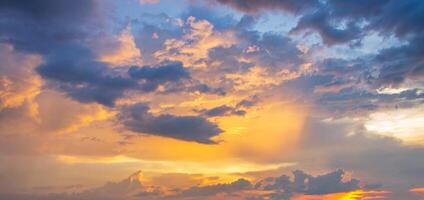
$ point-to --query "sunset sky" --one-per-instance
(211, 99)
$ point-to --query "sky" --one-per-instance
(211, 99)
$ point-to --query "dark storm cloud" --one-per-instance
(190, 128)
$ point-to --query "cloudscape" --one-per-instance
(211, 99)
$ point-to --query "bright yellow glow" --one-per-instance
(173, 166)
(350, 195)
(95, 160)
(353, 195)
(99, 114)
(266, 133)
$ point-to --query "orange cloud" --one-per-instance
(18, 82)
(126, 52)
(193, 47)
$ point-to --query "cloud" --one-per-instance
(192, 48)
(148, 1)
(84, 79)
(330, 183)
(284, 187)
(165, 72)
(14, 90)
(257, 5)
(379, 159)
(68, 48)
(122, 51)
(221, 111)
(44, 26)
(93, 81)
(238, 185)
(331, 35)
(189, 128)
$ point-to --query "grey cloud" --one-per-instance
(341, 22)
(163, 73)
(257, 5)
(276, 51)
(396, 64)
(238, 185)
(92, 81)
(224, 110)
(221, 111)
(63, 34)
(330, 183)
(172, 71)
(378, 159)
(190, 128)
(86, 80)
(284, 187)
(45, 26)
(49, 9)
(331, 35)
(203, 88)
(339, 94)
(228, 57)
